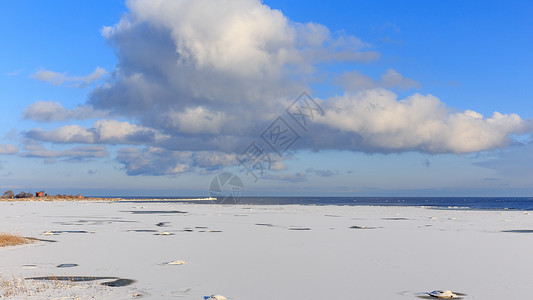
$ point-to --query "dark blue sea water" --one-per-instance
(516, 203)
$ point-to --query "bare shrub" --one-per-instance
(24, 195)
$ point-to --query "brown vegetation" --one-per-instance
(42, 196)
(42, 289)
(8, 194)
(7, 239)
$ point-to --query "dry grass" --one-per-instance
(16, 287)
(8, 239)
(44, 289)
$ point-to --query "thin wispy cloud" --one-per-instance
(80, 153)
(322, 173)
(59, 79)
(14, 73)
(156, 161)
(294, 178)
(49, 111)
(8, 149)
(103, 132)
(356, 81)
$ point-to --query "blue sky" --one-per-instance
(158, 97)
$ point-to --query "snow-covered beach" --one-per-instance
(268, 252)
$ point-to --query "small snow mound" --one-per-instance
(442, 294)
(215, 297)
(176, 262)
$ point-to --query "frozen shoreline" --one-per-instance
(274, 252)
(102, 199)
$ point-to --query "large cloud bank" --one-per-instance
(376, 121)
(201, 78)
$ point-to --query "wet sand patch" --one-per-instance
(155, 212)
(66, 265)
(361, 227)
(117, 282)
(93, 222)
(41, 240)
(300, 228)
(199, 229)
(54, 232)
(29, 267)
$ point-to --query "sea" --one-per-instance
(476, 203)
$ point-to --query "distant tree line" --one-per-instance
(10, 194)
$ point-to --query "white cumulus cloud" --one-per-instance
(199, 80)
(223, 57)
(382, 123)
